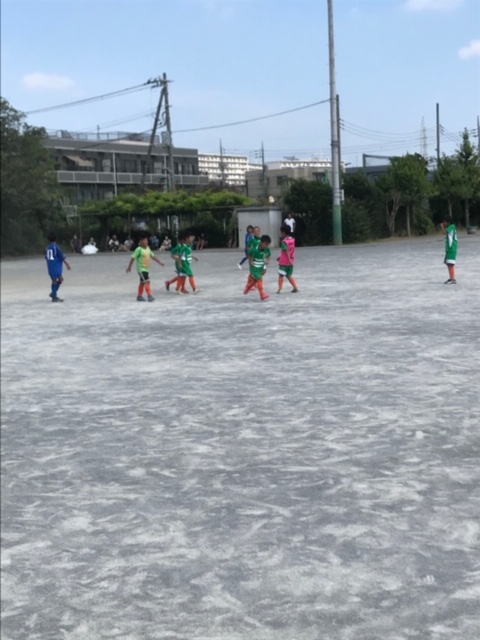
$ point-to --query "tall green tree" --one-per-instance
(28, 188)
(405, 184)
(311, 202)
(469, 189)
(447, 180)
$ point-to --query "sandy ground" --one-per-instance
(214, 467)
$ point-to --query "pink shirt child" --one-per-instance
(287, 255)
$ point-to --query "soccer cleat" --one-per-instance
(280, 291)
(184, 291)
(264, 297)
(56, 299)
(167, 285)
(179, 292)
(140, 299)
(151, 298)
(246, 290)
(196, 290)
(239, 266)
(294, 291)
(450, 281)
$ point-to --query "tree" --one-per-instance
(404, 184)
(469, 188)
(312, 203)
(447, 180)
(28, 187)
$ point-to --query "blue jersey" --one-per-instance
(54, 257)
(248, 239)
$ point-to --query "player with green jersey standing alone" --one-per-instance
(451, 246)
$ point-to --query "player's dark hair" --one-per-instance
(51, 237)
(448, 218)
(143, 235)
(250, 226)
(286, 229)
(265, 239)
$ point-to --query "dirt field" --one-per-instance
(214, 467)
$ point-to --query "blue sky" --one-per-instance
(233, 60)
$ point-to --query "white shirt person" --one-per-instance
(290, 222)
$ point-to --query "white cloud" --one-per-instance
(472, 50)
(40, 80)
(433, 5)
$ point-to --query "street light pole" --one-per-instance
(337, 207)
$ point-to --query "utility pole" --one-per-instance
(478, 138)
(337, 105)
(264, 175)
(163, 99)
(148, 159)
(337, 207)
(222, 167)
(263, 178)
(438, 133)
(171, 166)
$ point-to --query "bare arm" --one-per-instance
(66, 264)
(158, 261)
(129, 268)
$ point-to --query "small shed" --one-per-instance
(269, 219)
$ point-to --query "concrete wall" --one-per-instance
(269, 219)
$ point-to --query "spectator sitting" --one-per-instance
(155, 242)
(75, 244)
(129, 244)
(92, 242)
(201, 242)
(114, 244)
(166, 244)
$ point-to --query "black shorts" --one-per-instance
(144, 276)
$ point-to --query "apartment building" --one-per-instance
(99, 166)
(226, 169)
(275, 181)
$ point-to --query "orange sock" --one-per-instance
(183, 281)
(260, 288)
(280, 283)
(175, 279)
(141, 287)
(148, 289)
(192, 282)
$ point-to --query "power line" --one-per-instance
(233, 124)
(104, 96)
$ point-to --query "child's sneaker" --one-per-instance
(184, 291)
(140, 299)
(179, 292)
(280, 291)
(450, 281)
(57, 299)
(264, 297)
(294, 291)
(239, 265)
(195, 290)
(151, 298)
(167, 285)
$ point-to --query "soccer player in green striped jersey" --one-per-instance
(184, 259)
(258, 257)
(173, 253)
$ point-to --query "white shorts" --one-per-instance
(450, 261)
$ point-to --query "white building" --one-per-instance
(225, 169)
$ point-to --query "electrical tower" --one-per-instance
(424, 143)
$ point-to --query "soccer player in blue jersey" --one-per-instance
(55, 260)
(248, 240)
